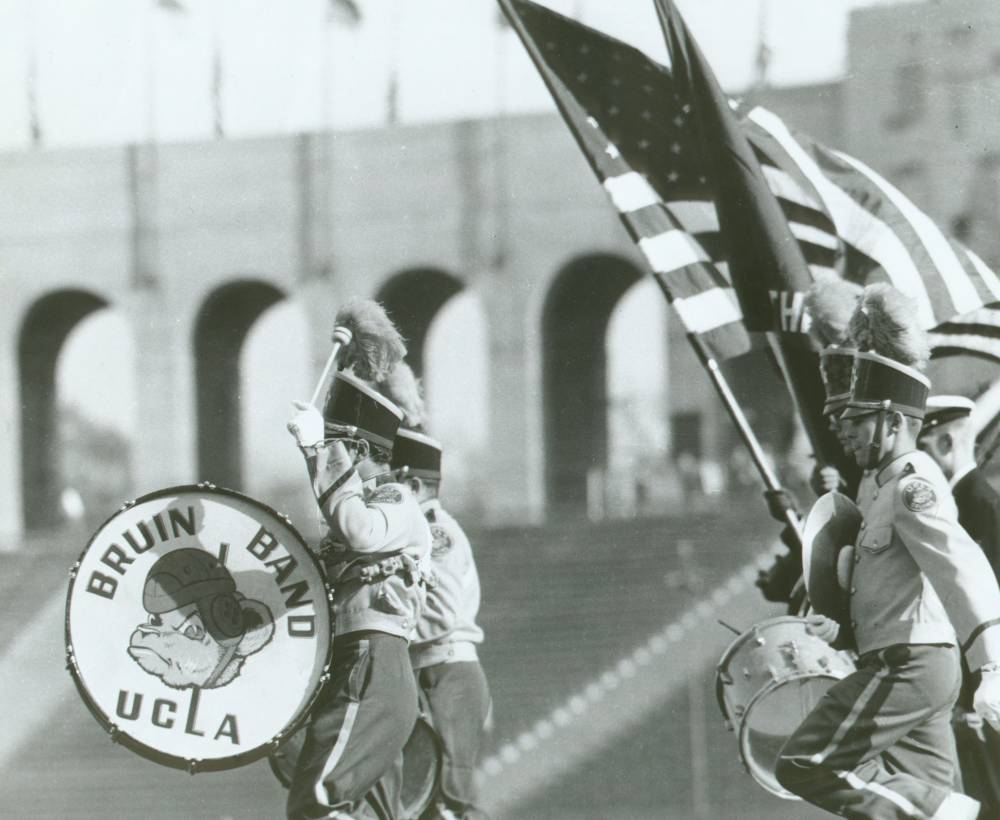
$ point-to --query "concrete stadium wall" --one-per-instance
(159, 232)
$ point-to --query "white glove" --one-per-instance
(987, 699)
(306, 425)
(826, 629)
(829, 479)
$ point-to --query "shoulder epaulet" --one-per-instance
(387, 494)
(917, 493)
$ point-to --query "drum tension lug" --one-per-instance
(192, 766)
(73, 570)
(113, 733)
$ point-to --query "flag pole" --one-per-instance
(743, 427)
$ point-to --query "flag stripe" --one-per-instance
(630, 192)
(708, 310)
(670, 250)
(989, 278)
(963, 294)
(872, 236)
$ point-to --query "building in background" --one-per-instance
(194, 243)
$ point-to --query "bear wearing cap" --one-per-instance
(200, 630)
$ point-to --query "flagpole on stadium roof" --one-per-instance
(711, 366)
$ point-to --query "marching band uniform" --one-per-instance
(879, 743)
(979, 514)
(443, 653)
(829, 303)
(377, 557)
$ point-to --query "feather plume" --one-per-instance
(830, 302)
(885, 322)
(376, 345)
(403, 387)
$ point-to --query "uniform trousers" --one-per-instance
(459, 700)
(979, 758)
(351, 762)
(879, 743)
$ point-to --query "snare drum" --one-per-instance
(198, 628)
(768, 680)
(422, 759)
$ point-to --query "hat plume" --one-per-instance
(376, 345)
(885, 322)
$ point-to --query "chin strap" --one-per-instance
(874, 454)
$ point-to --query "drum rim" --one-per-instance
(765, 690)
(730, 651)
(195, 765)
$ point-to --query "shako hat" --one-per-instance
(355, 408)
(944, 409)
(881, 383)
(419, 455)
(835, 366)
(892, 349)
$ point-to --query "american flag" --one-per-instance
(621, 107)
(637, 132)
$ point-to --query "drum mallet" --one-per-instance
(342, 337)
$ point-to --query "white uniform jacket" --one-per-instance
(918, 577)
(447, 631)
(377, 551)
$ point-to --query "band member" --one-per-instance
(830, 303)
(949, 438)
(377, 555)
(879, 743)
(443, 653)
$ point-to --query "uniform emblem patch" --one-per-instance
(919, 495)
(442, 541)
(387, 495)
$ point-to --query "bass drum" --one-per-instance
(190, 610)
(768, 680)
(422, 758)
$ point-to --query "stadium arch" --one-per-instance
(43, 332)
(220, 330)
(412, 298)
(575, 319)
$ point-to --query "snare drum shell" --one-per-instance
(772, 654)
(91, 690)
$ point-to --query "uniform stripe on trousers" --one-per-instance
(320, 790)
(852, 717)
(856, 782)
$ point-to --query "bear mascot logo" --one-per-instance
(200, 630)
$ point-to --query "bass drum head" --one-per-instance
(772, 716)
(198, 627)
(421, 767)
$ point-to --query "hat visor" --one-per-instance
(855, 411)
